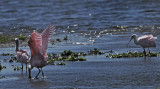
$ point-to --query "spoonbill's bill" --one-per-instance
(145, 41)
(38, 44)
(21, 55)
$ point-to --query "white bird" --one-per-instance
(145, 41)
(38, 44)
(21, 55)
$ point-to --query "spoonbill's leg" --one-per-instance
(26, 68)
(144, 52)
(29, 71)
(149, 50)
(38, 73)
(42, 73)
(22, 66)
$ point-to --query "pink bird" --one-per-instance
(145, 41)
(38, 44)
(21, 55)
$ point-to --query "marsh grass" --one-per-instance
(61, 63)
(132, 54)
(22, 37)
(9, 38)
(1, 67)
(7, 54)
(65, 38)
(67, 55)
(17, 68)
(95, 51)
(6, 38)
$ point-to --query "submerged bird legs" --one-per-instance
(40, 69)
(22, 66)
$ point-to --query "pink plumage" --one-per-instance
(145, 41)
(21, 55)
(38, 44)
(45, 37)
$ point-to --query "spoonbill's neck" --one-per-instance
(17, 45)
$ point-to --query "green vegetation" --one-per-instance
(1, 67)
(82, 59)
(132, 54)
(5, 38)
(95, 51)
(13, 58)
(9, 38)
(65, 38)
(17, 68)
(67, 55)
(58, 40)
(22, 37)
(61, 63)
(50, 61)
(10, 60)
(82, 54)
(7, 54)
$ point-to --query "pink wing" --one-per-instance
(45, 38)
(25, 58)
(148, 37)
(35, 43)
(147, 41)
(22, 56)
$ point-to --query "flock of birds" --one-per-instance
(38, 44)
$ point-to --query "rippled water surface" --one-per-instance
(103, 24)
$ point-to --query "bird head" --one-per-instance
(17, 43)
(132, 37)
(16, 40)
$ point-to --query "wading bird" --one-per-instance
(38, 44)
(145, 41)
(21, 55)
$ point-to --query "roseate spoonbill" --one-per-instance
(21, 55)
(145, 41)
(38, 44)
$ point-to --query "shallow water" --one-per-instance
(98, 72)
(106, 25)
